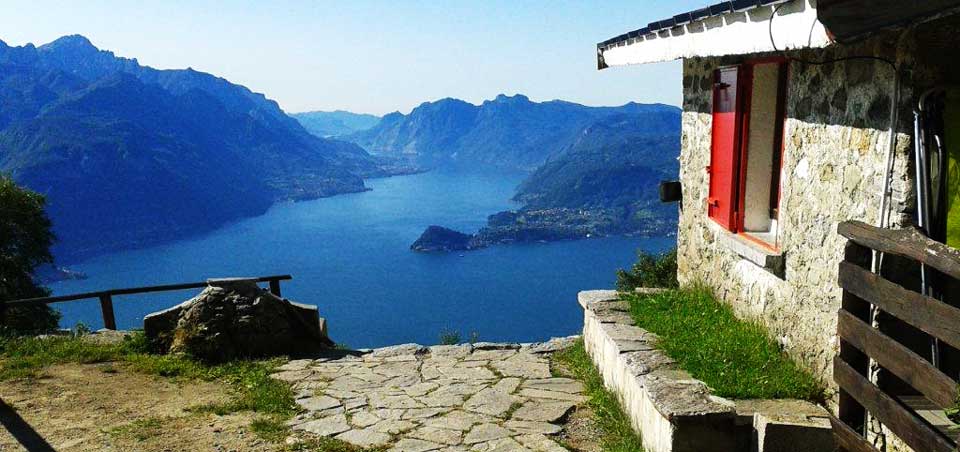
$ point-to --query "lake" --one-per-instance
(350, 256)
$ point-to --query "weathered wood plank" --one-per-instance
(106, 308)
(848, 439)
(930, 315)
(903, 423)
(900, 360)
(904, 242)
(133, 290)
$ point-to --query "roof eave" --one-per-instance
(735, 32)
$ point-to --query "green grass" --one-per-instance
(328, 445)
(270, 428)
(253, 389)
(737, 359)
(140, 429)
(617, 433)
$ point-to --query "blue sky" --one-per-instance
(372, 56)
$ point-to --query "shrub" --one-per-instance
(449, 337)
(25, 239)
(650, 270)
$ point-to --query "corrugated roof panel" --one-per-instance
(720, 8)
(681, 19)
(741, 5)
(700, 13)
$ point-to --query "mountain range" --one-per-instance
(602, 180)
(508, 132)
(129, 155)
(335, 123)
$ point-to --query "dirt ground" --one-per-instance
(102, 407)
(580, 431)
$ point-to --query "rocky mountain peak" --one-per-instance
(70, 43)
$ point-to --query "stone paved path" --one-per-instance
(485, 397)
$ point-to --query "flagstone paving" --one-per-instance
(409, 398)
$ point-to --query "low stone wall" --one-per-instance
(674, 412)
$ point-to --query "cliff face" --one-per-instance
(128, 155)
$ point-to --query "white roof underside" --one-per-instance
(738, 33)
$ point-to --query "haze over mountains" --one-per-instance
(602, 182)
(335, 123)
(129, 155)
(595, 170)
(508, 132)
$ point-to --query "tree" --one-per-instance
(651, 270)
(25, 239)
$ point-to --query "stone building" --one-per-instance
(793, 114)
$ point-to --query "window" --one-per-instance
(746, 149)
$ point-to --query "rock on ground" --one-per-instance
(235, 319)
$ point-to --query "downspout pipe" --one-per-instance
(883, 217)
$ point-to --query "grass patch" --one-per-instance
(328, 445)
(737, 359)
(140, 429)
(270, 428)
(253, 389)
(618, 434)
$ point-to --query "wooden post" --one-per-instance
(106, 307)
(275, 287)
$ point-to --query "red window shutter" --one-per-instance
(724, 149)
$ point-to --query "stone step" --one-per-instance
(675, 412)
(785, 425)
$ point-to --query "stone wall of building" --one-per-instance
(836, 141)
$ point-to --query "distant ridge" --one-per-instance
(128, 155)
(596, 168)
(335, 123)
(507, 132)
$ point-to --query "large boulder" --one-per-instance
(235, 318)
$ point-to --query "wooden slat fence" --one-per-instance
(106, 296)
(861, 342)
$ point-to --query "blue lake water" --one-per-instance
(350, 256)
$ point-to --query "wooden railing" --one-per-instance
(106, 296)
(860, 342)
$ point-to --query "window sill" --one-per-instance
(762, 256)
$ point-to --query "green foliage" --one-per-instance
(254, 389)
(449, 337)
(25, 357)
(80, 329)
(453, 337)
(140, 429)
(25, 239)
(737, 359)
(617, 432)
(324, 444)
(650, 270)
(270, 428)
